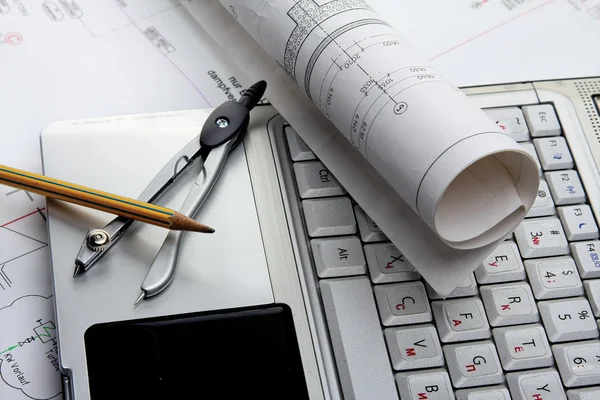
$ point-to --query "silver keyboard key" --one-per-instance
(299, 151)
(413, 347)
(592, 393)
(553, 153)
(542, 120)
(579, 222)
(552, 278)
(430, 384)
(460, 320)
(369, 231)
(523, 347)
(402, 303)
(504, 264)
(543, 206)
(329, 216)
(578, 363)
(568, 319)
(511, 121)
(529, 148)
(566, 187)
(468, 287)
(592, 291)
(473, 364)
(537, 384)
(509, 304)
(497, 392)
(587, 258)
(387, 264)
(358, 344)
(541, 237)
(314, 180)
(339, 256)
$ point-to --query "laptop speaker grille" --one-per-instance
(587, 90)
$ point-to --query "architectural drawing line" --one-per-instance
(318, 25)
(25, 254)
(301, 10)
(24, 216)
(4, 276)
(491, 29)
(24, 235)
(327, 41)
(335, 63)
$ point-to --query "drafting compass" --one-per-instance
(221, 133)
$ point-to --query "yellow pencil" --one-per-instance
(103, 201)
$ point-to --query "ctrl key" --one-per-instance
(431, 384)
(538, 384)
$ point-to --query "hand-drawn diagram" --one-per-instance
(147, 55)
(28, 349)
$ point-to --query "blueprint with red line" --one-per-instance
(73, 59)
(480, 42)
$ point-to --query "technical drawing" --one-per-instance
(334, 52)
(28, 349)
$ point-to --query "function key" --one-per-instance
(587, 258)
(566, 187)
(579, 222)
(553, 153)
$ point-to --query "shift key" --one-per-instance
(358, 345)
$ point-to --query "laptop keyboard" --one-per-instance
(522, 326)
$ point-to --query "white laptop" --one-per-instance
(298, 295)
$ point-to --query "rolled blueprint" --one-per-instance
(439, 121)
(468, 181)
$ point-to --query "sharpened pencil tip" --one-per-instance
(77, 271)
(140, 298)
(211, 230)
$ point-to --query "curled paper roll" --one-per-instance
(466, 179)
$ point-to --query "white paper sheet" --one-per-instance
(67, 60)
(484, 42)
(443, 266)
